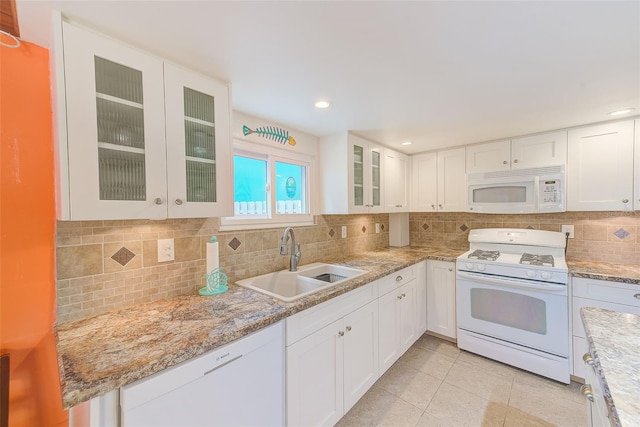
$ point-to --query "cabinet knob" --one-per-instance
(404, 295)
(440, 206)
(399, 297)
(451, 269)
(433, 206)
(348, 328)
(587, 392)
(586, 358)
(399, 279)
(515, 160)
(179, 202)
(504, 162)
(157, 201)
(341, 333)
(470, 209)
(625, 200)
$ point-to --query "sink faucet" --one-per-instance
(295, 249)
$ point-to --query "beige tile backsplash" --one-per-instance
(90, 281)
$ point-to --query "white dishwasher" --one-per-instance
(240, 384)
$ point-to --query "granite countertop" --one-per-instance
(101, 353)
(604, 271)
(617, 361)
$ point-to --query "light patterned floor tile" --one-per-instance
(428, 361)
(482, 383)
(487, 365)
(438, 345)
(410, 384)
(458, 407)
(380, 408)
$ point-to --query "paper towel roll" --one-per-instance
(212, 255)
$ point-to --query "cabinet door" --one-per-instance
(441, 298)
(452, 181)
(492, 156)
(360, 353)
(396, 174)
(115, 129)
(198, 145)
(408, 303)
(388, 338)
(359, 175)
(421, 295)
(315, 378)
(424, 184)
(375, 184)
(636, 169)
(600, 168)
(547, 149)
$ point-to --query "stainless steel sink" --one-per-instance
(290, 286)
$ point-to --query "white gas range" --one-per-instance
(512, 299)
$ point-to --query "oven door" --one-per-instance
(523, 312)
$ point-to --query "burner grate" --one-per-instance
(533, 259)
(484, 255)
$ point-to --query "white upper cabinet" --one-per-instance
(600, 168)
(396, 181)
(358, 162)
(548, 149)
(439, 181)
(125, 150)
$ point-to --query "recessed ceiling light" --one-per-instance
(322, 104)
(621, 112)
(407, 143)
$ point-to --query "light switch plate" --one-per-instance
(568, 229)
(377, 227)
(344, 231)
(165, 250)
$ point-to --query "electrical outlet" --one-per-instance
(165, 250)
(568, 229)
(344, 231)
(377, 227)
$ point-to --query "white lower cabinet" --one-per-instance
(597, 412)
(330, 369)
(621, 297)
(441, 298)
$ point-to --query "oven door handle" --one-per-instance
(510, 282)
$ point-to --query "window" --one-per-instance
(271, 187)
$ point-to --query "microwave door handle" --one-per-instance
(536, 193)
(510, 282)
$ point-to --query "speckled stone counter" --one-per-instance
(604, 271)
(101, 353)
(614, 340)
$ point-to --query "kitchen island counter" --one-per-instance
(101, 353)
(616, 353)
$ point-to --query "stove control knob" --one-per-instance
(469, 266)
(531, 273)
(545, 275)
(481, 267)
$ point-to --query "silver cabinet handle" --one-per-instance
(636, 296)
(348, 328)
(625, 200)
(504, 162)
(586, 358)
(587, 392)
(398, 206)
(433, 206)
(179, 202)
(440, 206)
(404, 295)
(399, 297)
(515, 160)
(157, 201)
(398, 278)
(451, 269)
(341, 333)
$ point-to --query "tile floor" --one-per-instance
(436, 384)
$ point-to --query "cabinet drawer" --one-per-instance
(312, 319)
(620, 293)
(397, 279)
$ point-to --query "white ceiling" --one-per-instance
(437, 73)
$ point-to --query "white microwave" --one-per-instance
(517, 191)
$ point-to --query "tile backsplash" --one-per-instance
(105, 265)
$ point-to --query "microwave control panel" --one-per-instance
(550, 191)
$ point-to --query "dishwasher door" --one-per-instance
(240, 384)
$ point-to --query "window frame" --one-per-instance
(273, 219)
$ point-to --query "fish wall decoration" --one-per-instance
(271, 132)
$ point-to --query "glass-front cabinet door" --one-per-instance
(365, 176)
(199, 176)
(115, 144)
(375, 201)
